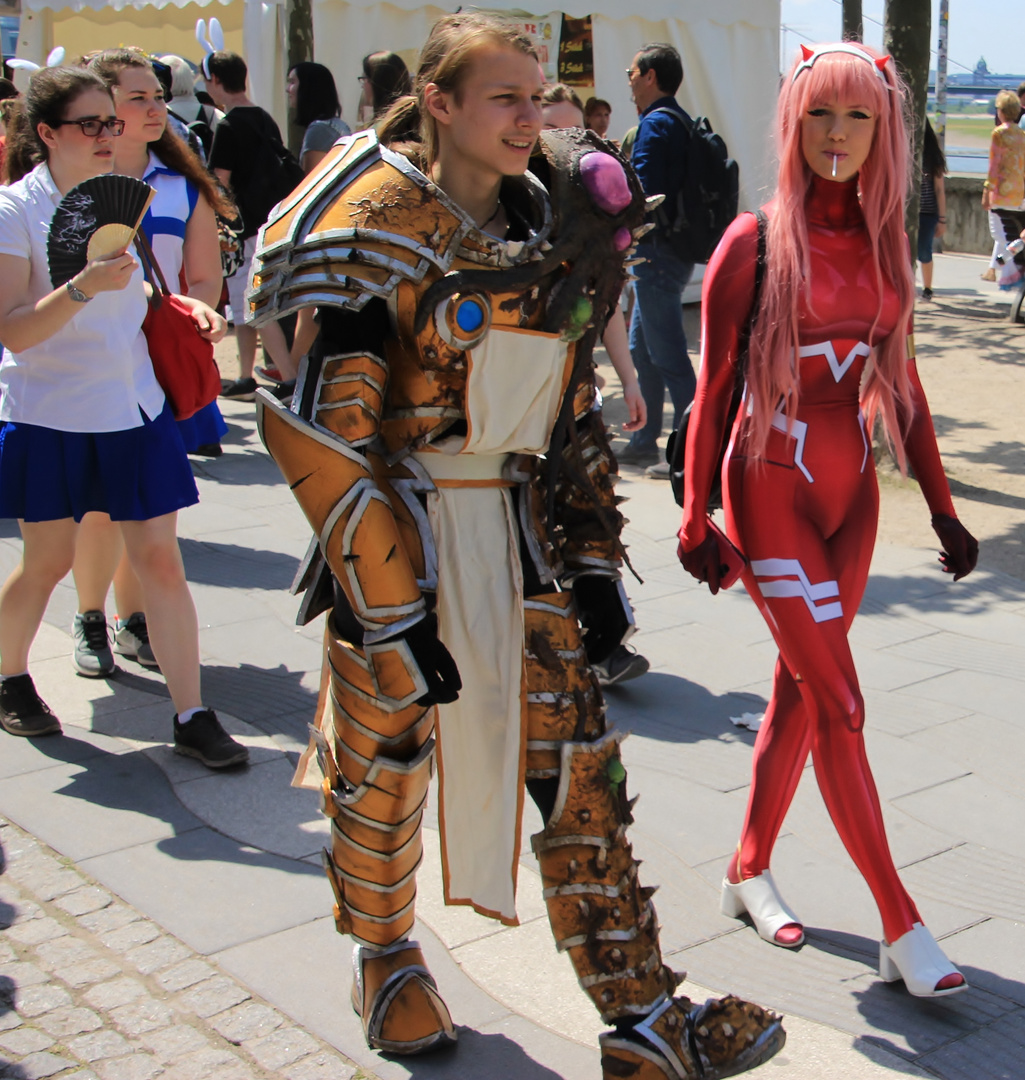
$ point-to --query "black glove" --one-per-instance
(703, 562)
(600, 607)
(960, 549)
(434, 660)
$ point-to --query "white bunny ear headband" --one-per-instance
(214, 42)
(55, 59)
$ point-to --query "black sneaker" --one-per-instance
(212, 449)
(23, 711)
(92, 656)
(203, 738)
(283, 391)
(239, 390)
(622, 664)
(632, 455)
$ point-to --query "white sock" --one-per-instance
(4, 678)
(185, 717)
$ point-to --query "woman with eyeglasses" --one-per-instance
(182, 230)
(86, 426)
(385, 79)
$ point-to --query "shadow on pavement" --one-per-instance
(497, 1055)
(660, 705)
(236, 566)
(271, 699)
(252, 467)
(938, 593)
(134, 784)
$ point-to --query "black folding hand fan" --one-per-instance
(96, 218)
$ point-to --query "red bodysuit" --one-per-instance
(806, 517)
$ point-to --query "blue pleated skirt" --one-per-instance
(202, 428)
(132, 475)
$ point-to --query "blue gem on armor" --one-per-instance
(469, 316)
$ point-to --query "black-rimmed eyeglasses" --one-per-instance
(92, 128)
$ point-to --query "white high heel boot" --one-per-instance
(760, 898)
(919, 961)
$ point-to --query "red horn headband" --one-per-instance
(809, 56)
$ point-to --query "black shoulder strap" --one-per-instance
(688, 125)
(756, 296)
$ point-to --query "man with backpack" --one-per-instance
(249, 158)
(661, 153)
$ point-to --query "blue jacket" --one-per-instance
(660, 146)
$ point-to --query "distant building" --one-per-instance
(979, 79)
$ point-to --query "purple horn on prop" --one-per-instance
(606, 182)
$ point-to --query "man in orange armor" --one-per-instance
(445, 445)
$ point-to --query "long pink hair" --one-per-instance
(772, 373)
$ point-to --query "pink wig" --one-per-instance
(883, 184)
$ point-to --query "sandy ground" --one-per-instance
(972, 363)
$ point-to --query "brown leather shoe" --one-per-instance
(397, 999)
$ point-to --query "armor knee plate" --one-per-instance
(564, 702)
(599, 912)
(377, 773)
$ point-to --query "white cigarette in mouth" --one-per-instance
(834, 166)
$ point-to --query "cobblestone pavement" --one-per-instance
(92, 990)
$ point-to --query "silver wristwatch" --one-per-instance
(76, 293)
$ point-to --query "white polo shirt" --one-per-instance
(95, 373)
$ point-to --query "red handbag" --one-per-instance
(183, 362)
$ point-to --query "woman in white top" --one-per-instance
(85, 423)
(181, 226)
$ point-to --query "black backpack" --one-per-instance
(272, 175)
(200, 131)
(707, 198)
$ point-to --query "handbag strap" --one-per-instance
(151, 268)
(744, 341)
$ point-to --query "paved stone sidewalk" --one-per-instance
(92, 990)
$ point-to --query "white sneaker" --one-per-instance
(131, 639)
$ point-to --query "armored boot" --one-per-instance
(397, 999)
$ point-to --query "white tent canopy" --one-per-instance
(730, 51)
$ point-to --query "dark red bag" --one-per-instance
(183, 362)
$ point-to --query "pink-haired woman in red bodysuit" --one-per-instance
(831, 350)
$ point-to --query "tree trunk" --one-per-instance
(300, 48)
(907, 32)
(853, 28)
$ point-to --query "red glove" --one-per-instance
(960, 549)
(703, 562)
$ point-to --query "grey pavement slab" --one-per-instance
(972, 809)
(211, 891)
(258, 808)
(994, 1053)
(993, 748)
(974, 877)
(104, 804)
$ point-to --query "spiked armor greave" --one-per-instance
(599, 912)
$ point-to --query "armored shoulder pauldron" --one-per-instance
(364, 222)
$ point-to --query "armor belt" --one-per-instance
(466, 470)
